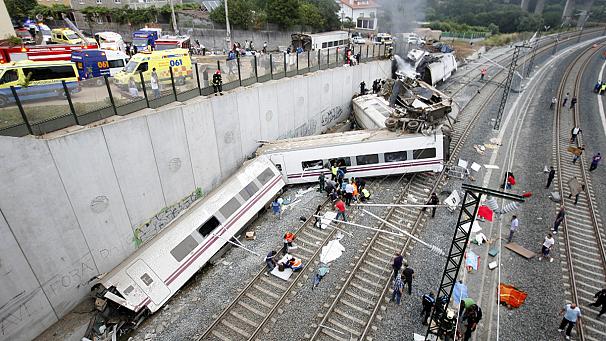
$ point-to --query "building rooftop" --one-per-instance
(360, 4)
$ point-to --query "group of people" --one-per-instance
(398, 282)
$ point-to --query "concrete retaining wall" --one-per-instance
(75, 206)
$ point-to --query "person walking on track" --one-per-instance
(600, 301)
(595, 160)
(397, 289)
(397, 263)
(554, 101)
(574, 132)
(433, 200)
(513, 227)
(572, 314)
(559, 219)
(573, 101)
(408, 274)
(565, 99)
(550, 177)
(546, 248)
(577, 154)
(576, 188)
(340, 205)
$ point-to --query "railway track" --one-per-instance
(256, 306)
(582, 236)
(351, 314)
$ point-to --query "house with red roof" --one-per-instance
(362, 12)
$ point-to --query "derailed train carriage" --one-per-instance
(145, 281)
(366, 153)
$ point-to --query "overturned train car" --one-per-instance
(145, 281)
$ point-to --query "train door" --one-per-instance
(278, 161)
(148, 281)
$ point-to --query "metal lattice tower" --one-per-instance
(533, 55)
(507, 85)
(469, 210)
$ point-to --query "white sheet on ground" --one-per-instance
(284, 275)
(325, 221)
(475, 228)
(331, 251)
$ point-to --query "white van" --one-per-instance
(110, 41)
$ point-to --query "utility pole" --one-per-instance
(533, 55)
(228, 33)
(507, 85)
(586, 17)
(172, 11)
(469, 210)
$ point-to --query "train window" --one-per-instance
(249, 191)
(395, 156)
(324, 45)
(311, 165)
(339, 160)
(128, 290)
(183, 249)
(146, 279)
(206, 228)
(230, 208)
(367, 159)
(424, 153)
(264, 177)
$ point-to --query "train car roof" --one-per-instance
(219, 191)
(334, 139)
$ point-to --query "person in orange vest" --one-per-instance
(295, 264)
(289, 237)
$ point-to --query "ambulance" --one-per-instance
(145, 62)
(67, 36)
(37, 80)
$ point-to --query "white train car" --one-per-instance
(439, 71)
(365, 153)
(155, 272)
(371, 111)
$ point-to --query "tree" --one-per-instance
(310, 16)
(283, 13)
(240, 13)
(55, 11)
(328, 10)
(18, 9)
(348, 23)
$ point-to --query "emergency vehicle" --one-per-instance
(67, 36)
(173, 42)
(97, 63)
(146, 61)
(36, 80)
(146, 37)
(110, 41)
(40, 52)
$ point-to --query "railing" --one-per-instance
(23, 111)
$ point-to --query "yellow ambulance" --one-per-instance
(67, 36)
(177, 59)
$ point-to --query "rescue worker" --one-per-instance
(289, 237)
(433, 200)
(600, 301)
(270, 262)
(595, 160)
(363, 89)
(333, 171)
(573, 101)
(565, 99)
(472, 316)
(321, 182)
(574, 132)
(428, 301)
(295, 264)
(365, 195)
(576, 188)
(602, 88)
(597, 86)
(577, 153)
(218, 83)
(396, 263)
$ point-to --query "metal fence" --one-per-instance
(99, 98)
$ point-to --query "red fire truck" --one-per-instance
(40, 52)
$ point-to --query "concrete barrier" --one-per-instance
(74, 206)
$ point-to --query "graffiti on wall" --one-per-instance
(331, 116)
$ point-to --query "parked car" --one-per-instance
(415, 40)
(358, 40)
